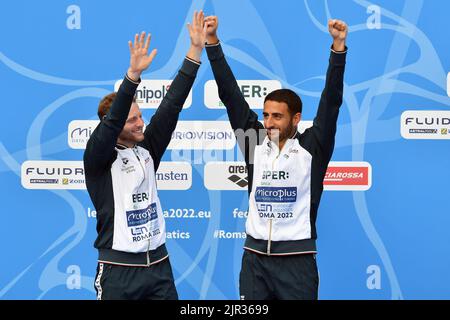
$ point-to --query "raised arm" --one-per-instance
(239, 112)
(100, 147)
(159, 131)
(325, 122)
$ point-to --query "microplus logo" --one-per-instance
(150, 93)
(254, 92)
(53, 175)
(79, 132)
(423, 124)
(206, 135)
(142, 216)
(276, 194)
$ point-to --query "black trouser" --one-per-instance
(116, 282)
(291, 277)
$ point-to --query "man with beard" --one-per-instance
(285, 173)
(120, 162)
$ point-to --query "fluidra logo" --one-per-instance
(425, 124)
(53, 175)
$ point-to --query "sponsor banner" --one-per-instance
(150, 93)
(194, 135)
(53, 175)
(174, 176)
(424, 124)
(207, 135)
(254, 92)
(70, 175)
(225, 176)
(348, 176)
(79, 132)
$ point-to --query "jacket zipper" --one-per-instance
(143, 171)
(269, 243)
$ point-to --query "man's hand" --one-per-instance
(197, 33)
(211, 23)
(338, 30)
(139, 60)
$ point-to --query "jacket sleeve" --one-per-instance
(100, 147)
(239, 112)
(159, 131)
(325, 122)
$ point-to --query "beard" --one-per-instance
(278, 135)
(129, 136)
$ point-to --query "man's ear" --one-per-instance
(297, 117)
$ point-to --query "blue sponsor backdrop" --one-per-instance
(57, 58)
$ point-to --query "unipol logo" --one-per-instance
(150, 93)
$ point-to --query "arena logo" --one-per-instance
(174, 176)
(53, 175)
(239, 175)
(348, 176)
(79, 132)
(219, 175)
(150, 93)
(205, 135)
(254, 92)
(434, 124)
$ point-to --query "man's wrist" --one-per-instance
(338, 45)
(195, 53)
(212, 39)
(133, 75)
